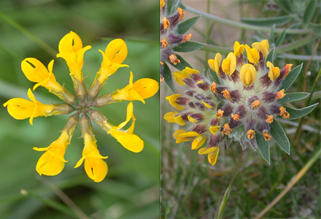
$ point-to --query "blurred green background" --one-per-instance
(190, 186)
(34, 28)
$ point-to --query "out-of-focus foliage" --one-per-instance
(131, 188)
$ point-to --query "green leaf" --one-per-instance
(214, 76)
(272, 34)
(268, 22)
(188, 46)
(309, 11)
(293, 97)
(298, 113)
(263, 146)
(270, 56)
(168, 5)
(316, 28)
(281, 38)
(290, 78)
(280, 137)
(186, 25)
(182, 65)
(175, 5)
(168, 77)
(285, 5)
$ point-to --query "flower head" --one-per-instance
(240, 106)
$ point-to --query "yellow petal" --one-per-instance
(146, 87)
(212, 157)
(34, 70)
(169, 116)
(248, 74)
(198, 142)
(238, 49)
(252, 55)
(116, 51)
(179, 120)
(206, 150)
(229, 64)
(96, 168)
(214, 129)
(130, 110)
(129, 141)
(171, 99)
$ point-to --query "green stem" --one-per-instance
(40, 43)
(215, 49)
(48, 202)
(221, 208)
(299, 57)
(244, 26)
(294, 180)
(295, 44)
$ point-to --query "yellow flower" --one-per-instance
(248, 74)
(140, 90)
(181, 135)
(52, 161)
(274, 71)
(71, 50)
(179, 76)
(212, 154)
(214, 129)
(126, 138)
(95, 167)
(198, 142)
(172, 100)
(169, 116)
(262, 46)
(20, 108)
(35, 71)
(252, 55)
(238, 49)
(114, 55)
(215, 63)
(229, 64)
(162, 4)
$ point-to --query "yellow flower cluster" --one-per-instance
(72, 51)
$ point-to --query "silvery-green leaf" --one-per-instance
(214, 76)
(168, 77)
(270, 56)
(290, 78)
(188, 46)
(293, 97)
(316, 28)
(280, 137)
(263, 146)
(309, 11)
(268, 22)
(183, 27)
(298, 113)
(285, 5)
(281, 38)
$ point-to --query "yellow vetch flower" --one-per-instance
(71, 50)
(114, 55)
(229, 64)
(198, 142)
(126, 138)
(247, 74)
(262, 46)
(238, 48)
(212, 154)
(52, 162)
(140, 90)
(171, 99)
(181, 135)
(20, 108)
(215, 63)
(214, 129)
(162, 4)
(252, 54)
(169, 116)
(274, 71)
(95, 167)
(35, 71)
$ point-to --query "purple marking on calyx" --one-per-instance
(196, 77)
(235, 96)
(233, 123)
(190, 93)
(251, 100)
(174, 39)
(197, 116)
(265, 80)
(189, 82)
(173, 20)
(214, 140)
(210, 103)
(263, 113)
(214, 122)
(275, 108)
(204, 85)
(200, 106)
(277, 81)
(250, 123)
(182, 100)
(235, 76)
(185, 115)
(191, 104)
(262, 126)
(241, 111)
(199, 128)
(268, 97)
(228, 109)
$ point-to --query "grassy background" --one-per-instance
(192, 188)
(131, 188)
